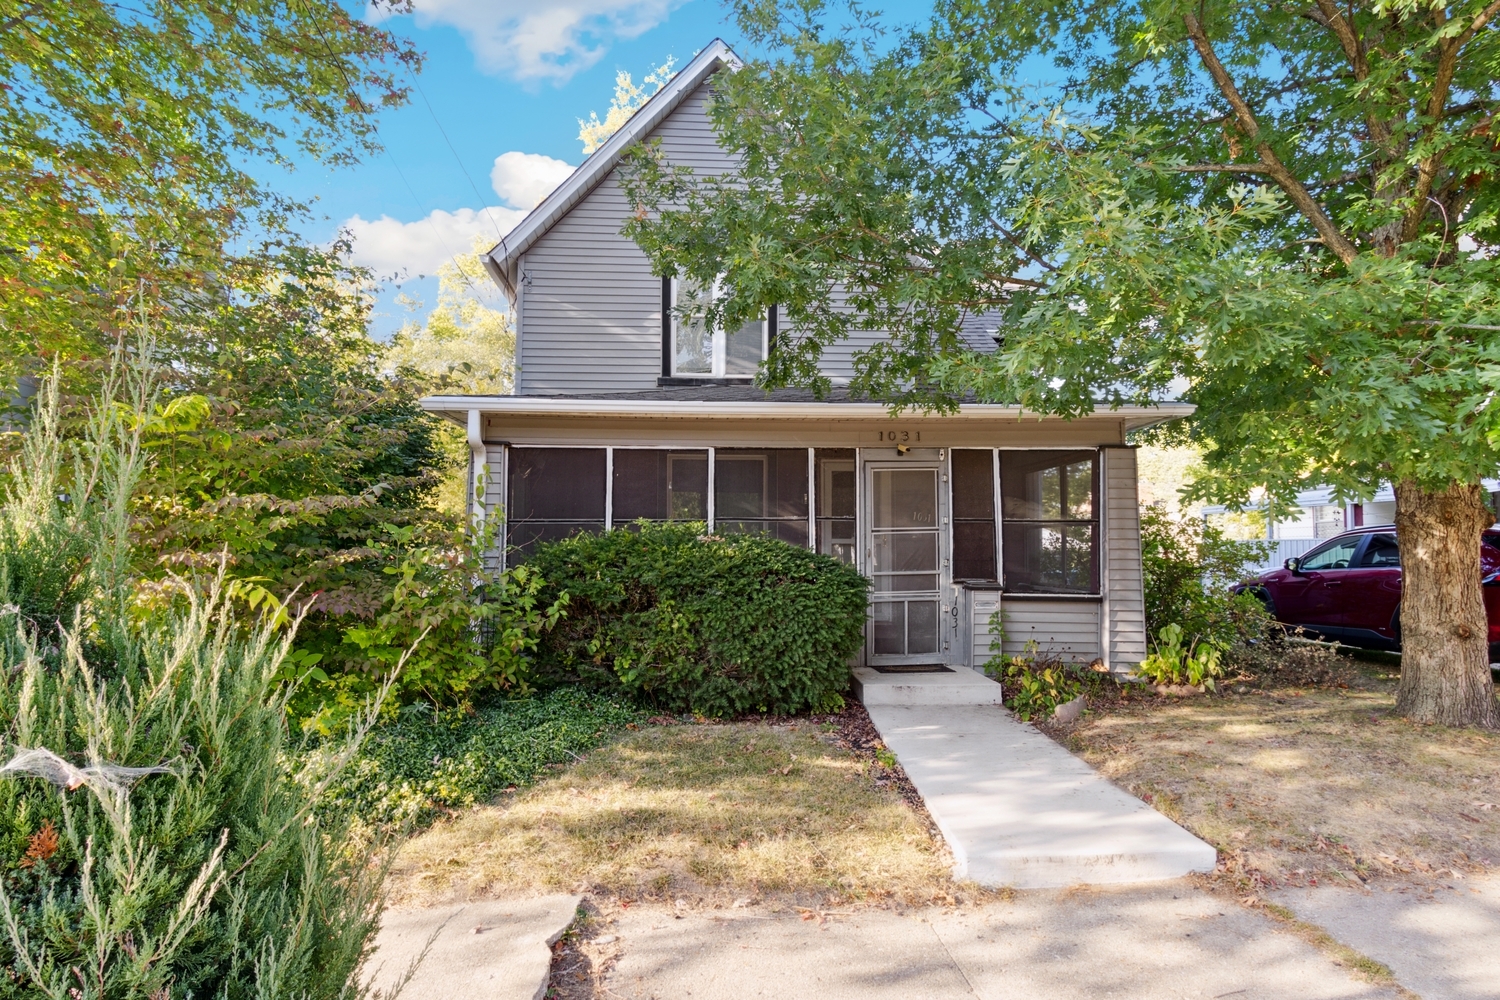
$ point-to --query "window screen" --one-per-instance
(761, 491)
(1049, 521)
(660, 485)
(834, 469)
(554, 493)
(974, 514)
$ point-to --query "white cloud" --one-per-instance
(390, 246)
(522, 180)
(530, 40)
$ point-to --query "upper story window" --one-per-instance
(691, 350)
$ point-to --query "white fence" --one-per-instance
(1285, 549)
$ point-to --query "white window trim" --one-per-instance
(720, 345)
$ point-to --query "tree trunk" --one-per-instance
(1445, 661)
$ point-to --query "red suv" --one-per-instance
(1348, 589)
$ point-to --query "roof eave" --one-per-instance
(501, 260)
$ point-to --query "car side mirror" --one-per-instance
(1293, 564)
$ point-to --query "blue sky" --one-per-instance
(502, 77)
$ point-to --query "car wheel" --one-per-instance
(1276, 631)
(1396, 626)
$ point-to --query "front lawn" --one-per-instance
(727, 811)
(1297, 785)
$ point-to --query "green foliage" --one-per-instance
(1189, 566)
(455, 629)
(151, 844)
(1285, 264)
(715, 626)
(425, 759)
(133, 137)
(1036, 689)
(1198, 664)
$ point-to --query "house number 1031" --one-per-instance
(901, 436)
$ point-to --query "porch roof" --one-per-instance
(741, 402)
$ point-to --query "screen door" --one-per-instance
(905, 559)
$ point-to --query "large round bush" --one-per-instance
(715, 626)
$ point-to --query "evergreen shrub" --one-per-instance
(152, 842)
(689, 622)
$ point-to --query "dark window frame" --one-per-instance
(1095, 523)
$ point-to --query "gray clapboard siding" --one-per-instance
(1124, 596)
(983, 604)
(1068, 629)
(590, 309)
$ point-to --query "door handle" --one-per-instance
(1333, 583)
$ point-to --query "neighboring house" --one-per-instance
(1318, 515)
(625, 411)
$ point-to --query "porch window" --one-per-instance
(834, 472)
(1050, 521)
(974, 514)
(659, 485)
(554, 493)
(695, 351)
(761, 491)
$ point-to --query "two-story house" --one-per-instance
(624, 409)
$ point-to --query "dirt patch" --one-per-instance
(1298, 785)
(705, 812)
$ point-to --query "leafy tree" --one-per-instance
(1285, 209)
(128, 135)
(465, 345)
(629, 98)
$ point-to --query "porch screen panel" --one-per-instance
(660, 485)
(834, 470)
(1050, 521)
(974, 515)
(761, 491)
(554, 493)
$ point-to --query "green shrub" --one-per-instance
(1198, 664)
(1189, 567)
(151, 845)
(715, 626)
(456, 628)
(428, 759)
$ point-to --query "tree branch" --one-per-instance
(1221, 168)
(1442, 82)
(1275, 169)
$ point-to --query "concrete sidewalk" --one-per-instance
(1163, 941)
(497, 949)
(1439, 944)
(1017, 809)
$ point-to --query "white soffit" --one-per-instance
(501, 260)
(458, 407)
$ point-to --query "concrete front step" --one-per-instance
(1017, 809)
(960, 687)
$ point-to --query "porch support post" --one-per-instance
(479, 469)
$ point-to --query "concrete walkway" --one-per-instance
(492, 949)
(1440, 944)
(1015, 808)
(1164, 941)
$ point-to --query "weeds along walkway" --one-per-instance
(1016, 808)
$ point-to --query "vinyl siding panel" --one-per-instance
(982, 604)
(1124, 596)
(590, 309)
(1068, 629)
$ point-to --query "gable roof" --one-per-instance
(501, 261)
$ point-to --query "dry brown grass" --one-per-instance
(714, 811)
(1294, 786)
